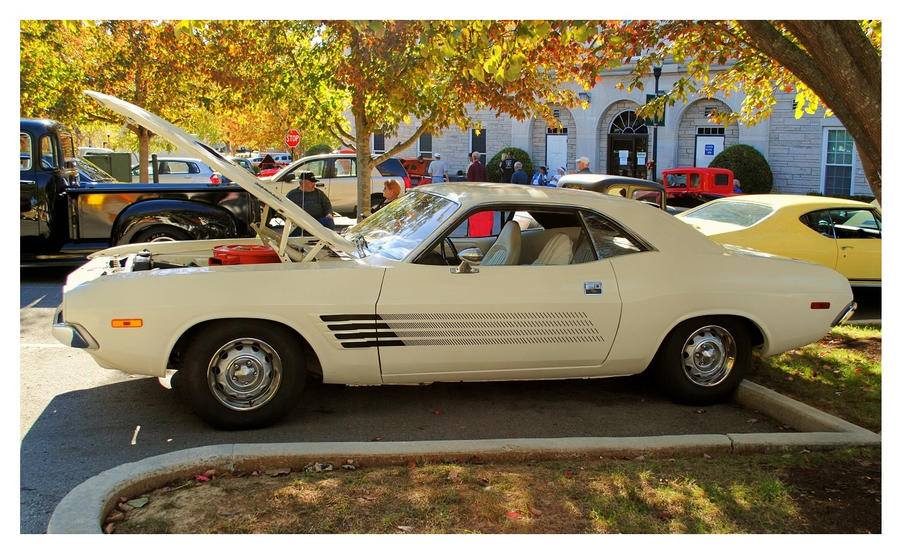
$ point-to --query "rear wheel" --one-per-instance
(243, 374)
(703, 360)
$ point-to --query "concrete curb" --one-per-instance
(83, 509)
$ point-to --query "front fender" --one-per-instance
(199, 220)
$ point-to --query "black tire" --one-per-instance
(272, 356)
(703, 360)
(160, 233)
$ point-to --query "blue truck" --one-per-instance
(64, 220)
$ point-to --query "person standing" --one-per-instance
(312, 200)
(540, 179)
(519, 177)
(438, 170)
(476, 173)
(583, 164)
(507, 167)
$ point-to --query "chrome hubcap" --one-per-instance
(708, 355)
(244, 374)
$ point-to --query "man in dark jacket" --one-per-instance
(507, 166)
(519, 177)
(312, 200)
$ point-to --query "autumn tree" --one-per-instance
(829, 65)
(386, 73)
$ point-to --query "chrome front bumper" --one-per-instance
(71, 334)
(845, 315)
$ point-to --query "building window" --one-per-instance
(838, 174)
(425, 148)
(715, 131)
(558, 131)
(378, 143)
(628, 123)
(478, 143)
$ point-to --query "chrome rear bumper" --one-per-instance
(845, 315)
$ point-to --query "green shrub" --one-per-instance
(493, 165)
(317, 149)
(749, 167)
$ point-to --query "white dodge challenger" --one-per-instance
(451, 282)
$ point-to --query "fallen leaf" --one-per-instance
(278, 471)
(569, 475)
(138, 502)
(437, 412)
(640, 458)
(513, 515)
(378, 438)
(124, 507)
(109, 528)
(664, 516)
(454, 473)
(752, 420)
(368, 497)
(707, 457)
(410, 464)
(202, 478)
(405, 528)
(209, 473)
(700, 411)
(115, 515)
(534, 511)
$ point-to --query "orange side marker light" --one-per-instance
(127, 323)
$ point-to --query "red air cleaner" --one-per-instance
(243, 254)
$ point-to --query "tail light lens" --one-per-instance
(214, 179)
(406, 182)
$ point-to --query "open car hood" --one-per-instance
(242, 177)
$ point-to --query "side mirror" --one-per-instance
(472, 255)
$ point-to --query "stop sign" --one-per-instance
(292, 138)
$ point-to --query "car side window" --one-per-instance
(317, 167)
(850, 223)
(345, 167)
(193, 168)
(49, 156)
(25, 151)
(609, 239)
(695, 180)
(820, 222)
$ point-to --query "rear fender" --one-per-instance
(199, 220)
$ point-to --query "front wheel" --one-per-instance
(243, 374)
(703, 360)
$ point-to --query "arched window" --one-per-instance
(628, 123)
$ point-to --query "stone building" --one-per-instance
(810, 154)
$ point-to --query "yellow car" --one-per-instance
(844, 235)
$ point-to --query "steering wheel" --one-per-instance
(452, 246)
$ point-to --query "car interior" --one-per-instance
(535, 237)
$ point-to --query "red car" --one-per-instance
(687, 187)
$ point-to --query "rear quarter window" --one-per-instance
(742, 214)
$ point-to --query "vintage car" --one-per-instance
(689, 187)
(600, 287)
(844, 235)
(617, 185)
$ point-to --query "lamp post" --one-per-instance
(657, 71)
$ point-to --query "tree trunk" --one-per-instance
(364, 163)
(841, 66)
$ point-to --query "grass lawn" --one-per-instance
(796, 492)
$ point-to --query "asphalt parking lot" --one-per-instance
(78, 419)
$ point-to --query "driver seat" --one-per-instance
(507, 248)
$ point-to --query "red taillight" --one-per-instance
(214, 179)
(406, 182)
(820, 306)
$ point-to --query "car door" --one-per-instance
(499, 322)
(291, 180)
(342, 185)
(858, 235)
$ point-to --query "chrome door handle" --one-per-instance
(846, 248)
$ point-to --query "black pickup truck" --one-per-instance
(64, 220)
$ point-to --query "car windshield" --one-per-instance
(742, 214)
(397, 229)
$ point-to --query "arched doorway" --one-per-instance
(627, 150)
